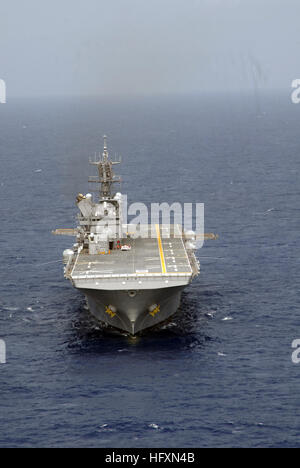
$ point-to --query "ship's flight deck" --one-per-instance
(161, 254)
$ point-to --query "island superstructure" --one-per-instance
(132, 276)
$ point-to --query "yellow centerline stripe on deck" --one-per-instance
(161, 252)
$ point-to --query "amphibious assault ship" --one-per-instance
(132, 275)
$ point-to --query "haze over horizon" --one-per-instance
(133, 47)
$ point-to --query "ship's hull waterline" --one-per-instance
(133, 311)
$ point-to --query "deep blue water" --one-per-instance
(220, 374)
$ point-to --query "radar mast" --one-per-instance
(106, 177)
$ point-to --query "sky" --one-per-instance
(147, 47)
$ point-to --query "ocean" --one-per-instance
(220, 374)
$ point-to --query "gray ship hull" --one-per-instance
(144, 309)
